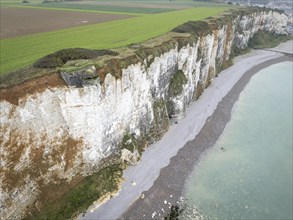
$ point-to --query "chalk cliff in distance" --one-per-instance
(60, 132)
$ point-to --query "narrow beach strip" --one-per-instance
(158, 180)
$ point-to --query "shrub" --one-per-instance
(60, 57)
(25, 1)
(192, 27)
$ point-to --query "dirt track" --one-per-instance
(23, 21)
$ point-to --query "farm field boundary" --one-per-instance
(23, 21)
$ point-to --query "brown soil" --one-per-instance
(14, 93)
(23, 21)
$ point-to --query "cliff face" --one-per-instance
(62, 133)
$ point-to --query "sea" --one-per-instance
(248, 173)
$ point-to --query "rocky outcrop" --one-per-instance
(111, 112)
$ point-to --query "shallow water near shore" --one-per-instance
(248, 173)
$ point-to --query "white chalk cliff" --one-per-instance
(65, 131)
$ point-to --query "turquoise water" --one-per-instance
(251, 177)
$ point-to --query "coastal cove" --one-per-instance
(161, 174)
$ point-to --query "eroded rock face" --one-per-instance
(247, 25)
(64, 133)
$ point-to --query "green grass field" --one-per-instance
(108, 8)
(191, 3)
(23, 51)
(125, 7)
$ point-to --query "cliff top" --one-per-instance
(113, 61)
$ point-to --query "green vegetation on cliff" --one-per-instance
(176, 83)
(78, 199)
(264, 39)
(129, 142)
(60, 57)
(260, 40)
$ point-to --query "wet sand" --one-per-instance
(161, 175)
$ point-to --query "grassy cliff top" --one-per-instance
(24, 51)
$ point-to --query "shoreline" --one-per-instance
(183, 163)
(166, 165)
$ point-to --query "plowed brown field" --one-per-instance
(23, 21)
